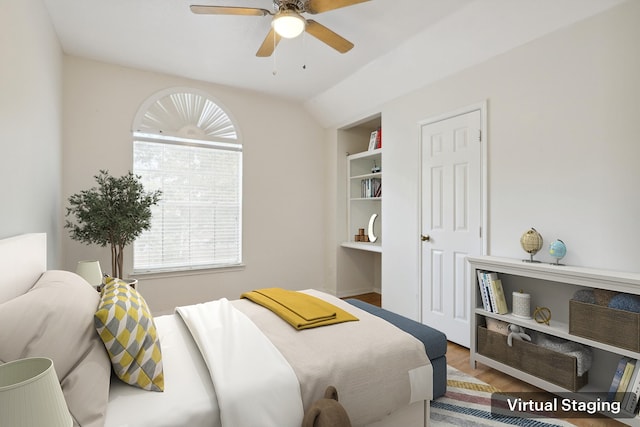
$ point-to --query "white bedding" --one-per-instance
(376, 368)
(189, 398)
(254, 383)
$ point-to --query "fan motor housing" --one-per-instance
(295, 5)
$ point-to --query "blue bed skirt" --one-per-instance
(435, 342)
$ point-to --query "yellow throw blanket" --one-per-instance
(300, 310)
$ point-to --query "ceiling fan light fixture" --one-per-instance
(288, 24)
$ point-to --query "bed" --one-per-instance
(382, 374)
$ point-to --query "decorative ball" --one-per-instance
(626, 302)
(557, 249)
(531, 241)
(584, 295)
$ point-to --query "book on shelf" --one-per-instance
(617, 377)
(370, 188)
(377, 188)
(488, 277)
(484, 293)
(624, 381)
(495, 293)
(373, 140)
(500, 300)
(633, 391)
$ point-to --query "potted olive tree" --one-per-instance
(114, 213)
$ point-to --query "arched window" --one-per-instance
(187, 146)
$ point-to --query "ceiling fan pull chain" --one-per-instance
(275, 65)
(304, 51)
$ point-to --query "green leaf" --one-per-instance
(113, 213)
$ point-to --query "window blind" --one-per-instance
(197, 223)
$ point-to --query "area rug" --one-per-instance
(467, 402)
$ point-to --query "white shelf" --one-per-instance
(358, 264)
(368, 199)
(582, 276)
(564, 281)
(360, 209)
(366, 154)
(363, 246)
(368, 175)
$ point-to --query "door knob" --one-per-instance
(425, 237)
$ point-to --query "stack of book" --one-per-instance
(371, 187)
(625, 385)
(492, 293)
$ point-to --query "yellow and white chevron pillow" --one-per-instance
(126, 327)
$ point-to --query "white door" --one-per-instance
(452, 212)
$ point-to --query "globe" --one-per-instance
(558, 250)
(531, 242)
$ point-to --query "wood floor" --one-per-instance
(372, 298)
(458, 357)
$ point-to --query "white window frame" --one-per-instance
(184, 117)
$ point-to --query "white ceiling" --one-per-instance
(164, 36)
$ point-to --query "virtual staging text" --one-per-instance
(535, 405)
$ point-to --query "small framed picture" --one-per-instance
(373, 140)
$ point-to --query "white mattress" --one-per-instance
(189, 398)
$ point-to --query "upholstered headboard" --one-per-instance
(23, 259)
(49, 313)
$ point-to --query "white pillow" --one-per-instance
(55, 319)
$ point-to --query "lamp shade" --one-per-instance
(30, 395)
(91, 272)
(289, 24)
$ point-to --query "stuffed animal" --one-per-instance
(326, 412)
(518, 333)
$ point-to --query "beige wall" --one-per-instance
(283, 179)
(468, 37)
(562, 150)
(566, 102)
(30, 123)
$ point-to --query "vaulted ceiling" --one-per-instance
(165, 36)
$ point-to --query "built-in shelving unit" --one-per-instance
(358, 264)
(552, 286)
(364, 176)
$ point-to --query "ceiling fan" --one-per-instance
(288, 21)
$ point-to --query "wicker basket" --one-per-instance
(551, 366)
(597, 322)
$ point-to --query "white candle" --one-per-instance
(522, 305)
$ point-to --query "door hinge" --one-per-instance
(479, 135)
(480, 232)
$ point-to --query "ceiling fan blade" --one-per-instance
(327, 36)
(228, 10)
(269, 44)
(319, 6)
